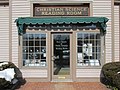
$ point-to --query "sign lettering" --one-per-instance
(61, 11)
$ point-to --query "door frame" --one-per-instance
(62, 78)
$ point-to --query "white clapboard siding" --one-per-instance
(20, 8)
(102, 8)
(88, 73)
(116, 32)
(4, 33)
(34, 73)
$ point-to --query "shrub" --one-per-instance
(116, 80)
(18, 79)
(110, 75)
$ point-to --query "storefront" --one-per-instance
(61, 39)
(65, 40)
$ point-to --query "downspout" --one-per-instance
(10, 30)
(112, 28)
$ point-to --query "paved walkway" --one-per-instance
(63, 86)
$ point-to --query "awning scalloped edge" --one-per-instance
(22, 21)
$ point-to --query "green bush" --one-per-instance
(116, 80)
(110, 75)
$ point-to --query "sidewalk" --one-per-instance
(63, 86)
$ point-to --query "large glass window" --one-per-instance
(34, 49)
(88, 49)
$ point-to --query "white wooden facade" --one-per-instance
(22, 8)
(116, 32)
(4, 33)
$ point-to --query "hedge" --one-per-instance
(110, 75)
(15, 82)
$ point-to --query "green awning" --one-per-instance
(22, 21)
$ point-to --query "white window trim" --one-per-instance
(101, 55)
(61, 0)
(30, 66)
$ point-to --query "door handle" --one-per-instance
(55, 57)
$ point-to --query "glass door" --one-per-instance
(61, 63)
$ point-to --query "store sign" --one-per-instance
(61, 11)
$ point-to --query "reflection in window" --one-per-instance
(34, 49)
(88, 49)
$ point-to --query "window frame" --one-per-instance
(102, 53)
(21, 49)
